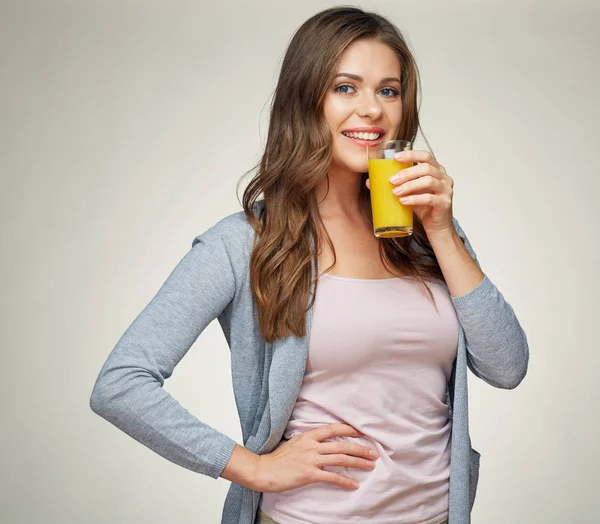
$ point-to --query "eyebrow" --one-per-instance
(360, 78)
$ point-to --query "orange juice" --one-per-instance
(390, 217)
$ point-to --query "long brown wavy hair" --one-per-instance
(296, 160)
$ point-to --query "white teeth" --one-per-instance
(362, 136)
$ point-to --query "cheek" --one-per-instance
(336, 113)
(395, 116)
(346, 155)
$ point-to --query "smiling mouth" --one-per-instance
(367, 137)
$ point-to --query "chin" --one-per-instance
(357, 168)
(360, 168)
(351, 162)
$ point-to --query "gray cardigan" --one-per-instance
(211, 281)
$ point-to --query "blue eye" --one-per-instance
(388, 92)
(394, 92)
(339, 88)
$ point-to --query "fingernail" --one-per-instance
(399, 156)
(374, 453)
(394, 179)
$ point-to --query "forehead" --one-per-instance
(369, 59)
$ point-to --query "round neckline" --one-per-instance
(351, 279)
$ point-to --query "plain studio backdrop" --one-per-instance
(124, 128)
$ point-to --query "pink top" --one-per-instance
(380, 357)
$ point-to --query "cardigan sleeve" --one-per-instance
(497, 349)
(129, 392)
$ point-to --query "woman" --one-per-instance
(350, 384)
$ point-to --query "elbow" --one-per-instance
(98, 401)
(509, 379)
(516, 373)
(522, 369)
(502, 374)
(105, 394)
(509, 366)
(513, 379)
(519, 368)
(96, 404)
(118, 388)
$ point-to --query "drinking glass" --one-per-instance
(391, 218)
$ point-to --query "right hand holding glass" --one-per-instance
(298, 461)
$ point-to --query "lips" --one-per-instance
(371, 129)
(363, 143)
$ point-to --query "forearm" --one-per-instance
(242, 468)
(133, 401)
(497, 349)
(129, 390)
(461, 272)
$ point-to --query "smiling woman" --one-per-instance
(366, 89)
(351, 386)
(360, 88)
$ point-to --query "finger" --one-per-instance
(368, 184)
(334, 478)
(347, 448)
(427, 199)
(347, 461)
(433, 185)
(416, 156)
(334, 430)
(418, 171)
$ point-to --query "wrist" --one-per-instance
(442, 233)
(243, 468)
(259, 480)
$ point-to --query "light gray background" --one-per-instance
(124, 128)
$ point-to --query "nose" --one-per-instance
(369, 106)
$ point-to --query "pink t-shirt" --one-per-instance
(380, 356)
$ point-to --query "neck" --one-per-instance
(337, 196)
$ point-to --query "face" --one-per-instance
(364, 96)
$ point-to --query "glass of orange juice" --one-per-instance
(390, 217)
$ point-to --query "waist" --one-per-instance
(416, 487)
(263, 518)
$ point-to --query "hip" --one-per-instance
(263, 518)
